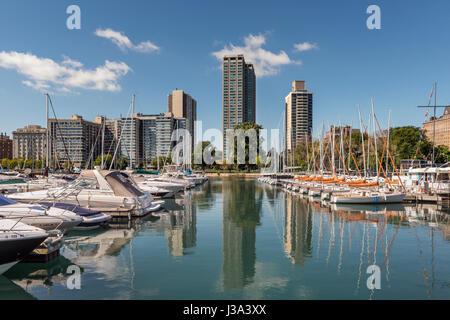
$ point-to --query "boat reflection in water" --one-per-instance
(235, 238)
(105, 254)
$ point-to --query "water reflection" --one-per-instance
(298, 230)
(106, 253)
(233, 238)
(242, 203)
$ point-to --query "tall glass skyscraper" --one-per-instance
(239, 94)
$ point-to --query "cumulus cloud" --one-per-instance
(124, 43)
(45, 73)
(305, 46)
(266, 63)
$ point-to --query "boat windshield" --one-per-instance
(5, 201)
(83, 183)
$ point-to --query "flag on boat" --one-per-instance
(429, 102)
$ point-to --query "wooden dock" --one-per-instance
(442, 199)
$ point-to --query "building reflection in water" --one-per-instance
(241, 215)
(297, 230)
(181, 225)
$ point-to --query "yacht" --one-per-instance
(111, 192)
(17, 240)
(92, 219)
(37, 215)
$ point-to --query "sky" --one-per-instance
(149, 48)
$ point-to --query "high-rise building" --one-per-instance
(6, 147)
(239, 94)
(182, 105)
(299, 115)
(165, 124)
(130, 139)
(29, 142)
(74, 139)
(442, 127)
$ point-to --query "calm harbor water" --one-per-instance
(240, 239)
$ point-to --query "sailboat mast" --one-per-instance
(132, 132)
(375, 138)
(388, 133)
(47, 133)
(307, 152)
(362, 142)
(103, 141)
(368, 142)
(350, 146)
(333, 145)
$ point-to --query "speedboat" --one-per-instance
(92, 219)
(147, 183)
(111, 192)
(17, 240)
(156, 191)
(38, 216)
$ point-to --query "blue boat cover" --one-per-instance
(71, 207)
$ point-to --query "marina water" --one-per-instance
(236, 238)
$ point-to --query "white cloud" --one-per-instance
(266, 62)
(305, 46)
(123, 42)
(44, 73)
(72, 63)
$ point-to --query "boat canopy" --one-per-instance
(5, 201)
(121, 184)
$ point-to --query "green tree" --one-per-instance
(5, 163)
(162, 160)
(13, 164)
(122, 163)
(107, 159)
(20, 163)
(29, 163)
(201, 147)
(68, 165)
(38, 164)
(245, 144)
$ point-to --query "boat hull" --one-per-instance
(15, 249)
(395, 198)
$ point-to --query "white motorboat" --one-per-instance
(103, 190)
(17, 240)
(38, 216)
(92, 219)
(159, 186)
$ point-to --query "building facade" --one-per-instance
(6, 146)
(29, 142)
(299, 115)
(239, 94)
(74, 139)
(182, 105)
(442, 126)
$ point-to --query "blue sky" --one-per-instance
(396, 65)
